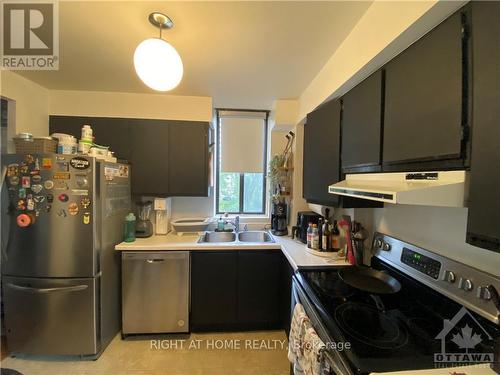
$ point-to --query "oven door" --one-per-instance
(335, 359)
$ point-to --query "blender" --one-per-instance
(144, 226)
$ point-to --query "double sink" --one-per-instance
(255, 236)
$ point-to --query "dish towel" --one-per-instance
(313, 360)
(296, 337)
(305, 348)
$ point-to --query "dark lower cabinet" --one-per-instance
(483, 229)
(239, 290)
(286, 296)
(259, 288)
(214, 287)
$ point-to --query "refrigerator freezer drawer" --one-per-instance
(51, 316)
(155, 292)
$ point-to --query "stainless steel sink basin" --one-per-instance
(218, 237)
(255, 236)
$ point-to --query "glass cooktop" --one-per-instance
(386, 332)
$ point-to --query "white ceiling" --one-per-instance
(243, 54)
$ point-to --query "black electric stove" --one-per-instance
(401, 331)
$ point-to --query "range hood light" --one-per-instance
(441, 188)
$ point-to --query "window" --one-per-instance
(241, 161)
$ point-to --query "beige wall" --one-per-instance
(129, 105)
(285, 113)
(31, 103)
(386, 29)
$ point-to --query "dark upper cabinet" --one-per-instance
(260, 287)
(213, 289)
(362, 125)
(114, 132)
(168, 158)
(149, 157)
(189, 148)
(483, 227)
(322, 153)
(423, 119)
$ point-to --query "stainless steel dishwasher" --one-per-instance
(155, 292)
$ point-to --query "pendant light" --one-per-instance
(156, 62)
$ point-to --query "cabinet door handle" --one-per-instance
(151, 261)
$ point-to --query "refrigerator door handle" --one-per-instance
(47, 290)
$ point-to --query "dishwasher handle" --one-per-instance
(153, 261)
(155, 257)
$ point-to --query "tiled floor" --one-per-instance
(259, 353)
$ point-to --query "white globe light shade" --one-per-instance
(158, 64)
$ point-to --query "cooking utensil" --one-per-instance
(359, 235)
(370, 280)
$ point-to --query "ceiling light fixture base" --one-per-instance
(160, 20)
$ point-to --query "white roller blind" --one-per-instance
(242, 142)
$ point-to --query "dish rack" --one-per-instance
(196, 225)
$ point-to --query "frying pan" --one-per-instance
(370, 280)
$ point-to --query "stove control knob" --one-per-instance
(483, 293)
(378, 243)
(386, 246)
(465, 284)
(449, 276)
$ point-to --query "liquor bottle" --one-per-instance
(326, 243)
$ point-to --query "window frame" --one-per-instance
(241, 210)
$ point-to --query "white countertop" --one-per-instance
(465, 370)
(293, 250)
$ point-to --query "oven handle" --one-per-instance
(332, 361)
(47, 290)
(295, 294)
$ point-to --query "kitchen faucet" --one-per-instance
(235, 223)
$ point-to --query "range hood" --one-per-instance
(417, 188)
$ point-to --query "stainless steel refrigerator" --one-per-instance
(62, 215)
